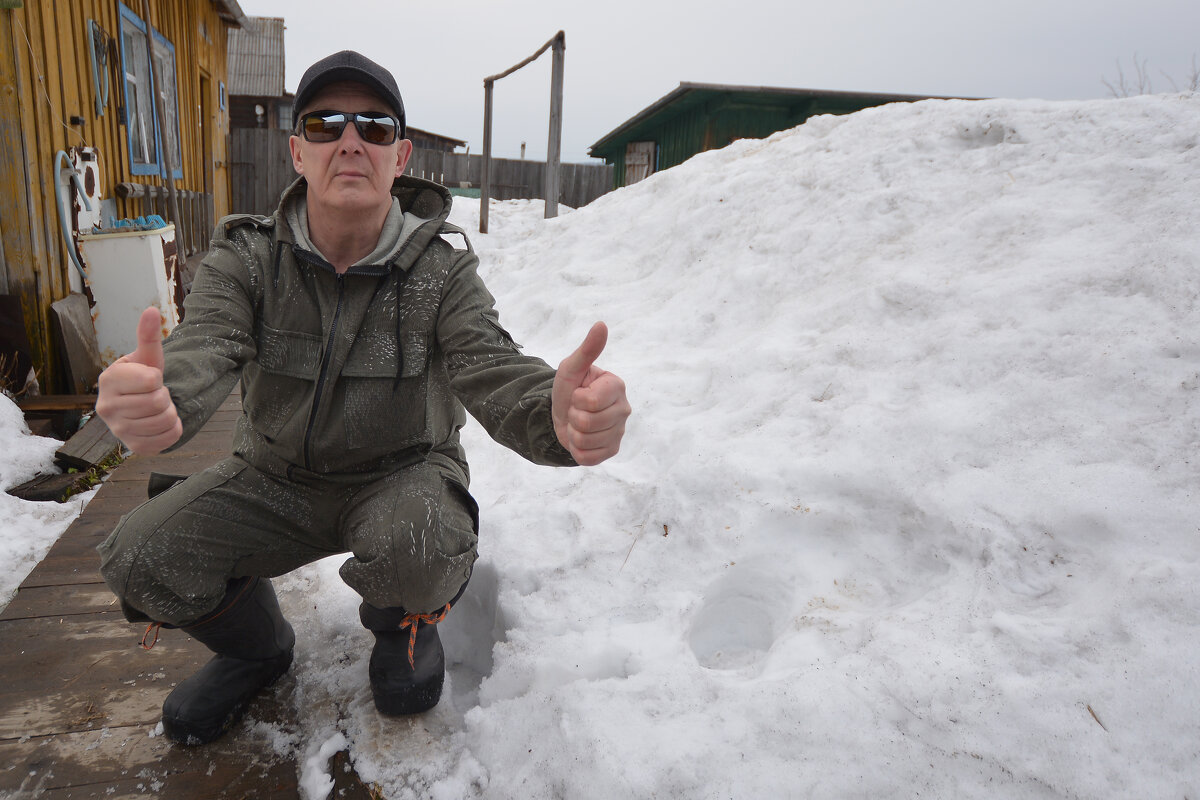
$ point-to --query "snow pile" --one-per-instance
(27, 529)
(908, 504)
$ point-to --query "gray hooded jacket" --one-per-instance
(359, 373)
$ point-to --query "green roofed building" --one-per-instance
(699, 116)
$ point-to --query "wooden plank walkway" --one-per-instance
(80, 700)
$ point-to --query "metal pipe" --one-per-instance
(72, 251)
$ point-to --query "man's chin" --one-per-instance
(357, 200)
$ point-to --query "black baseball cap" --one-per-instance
(348, 66)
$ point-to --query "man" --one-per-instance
(359, 335)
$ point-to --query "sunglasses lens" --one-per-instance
(327, 126)
(376, 130)
(324, 127)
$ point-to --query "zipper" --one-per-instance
(312, 415)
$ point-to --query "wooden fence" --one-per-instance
(513, 179)
(261, 168)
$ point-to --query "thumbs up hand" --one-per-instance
(133, 401)
(149, 350)
(588, 405)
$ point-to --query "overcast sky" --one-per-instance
(623, 55)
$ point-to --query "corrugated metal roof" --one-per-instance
(691, 90)
(256, 58)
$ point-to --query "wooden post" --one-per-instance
(554, 147)
(16, 207)
(485, 185)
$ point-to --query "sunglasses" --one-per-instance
(327, 126)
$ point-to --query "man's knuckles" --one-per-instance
(601, 440)
(590, 399)
(590, 458)
(147, 440)
(583, 421)
(137, 406)
(602, 419)
(130, 377)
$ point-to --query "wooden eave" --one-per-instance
(231, 14)
(447, 139)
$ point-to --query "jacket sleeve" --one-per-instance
(507, 391)
(205, 353)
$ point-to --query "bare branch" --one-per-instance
(1118, 90)
(1143, 84)
(1140, 83)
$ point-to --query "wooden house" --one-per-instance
(427, 140)
(76, 75)
(698, 116)
(257, 98)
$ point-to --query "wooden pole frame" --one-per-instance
(554, 148)
(554, 145)
(485, 178)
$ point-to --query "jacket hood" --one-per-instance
(425, 206)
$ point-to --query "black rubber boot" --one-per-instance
(401, 686)
(253, 645)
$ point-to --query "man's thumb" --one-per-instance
(149, 339)
(574, 367)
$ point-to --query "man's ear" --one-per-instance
(297, 161)
(402, 156)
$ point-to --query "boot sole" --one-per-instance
(416, 700)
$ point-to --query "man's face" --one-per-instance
(349, 174)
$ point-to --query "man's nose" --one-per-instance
(350, 141)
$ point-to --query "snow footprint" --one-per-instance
(738, 623)
(470, 634)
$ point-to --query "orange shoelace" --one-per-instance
(153, 626)
(412, 621)
(157, 626)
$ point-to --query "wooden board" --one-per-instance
(91, 444)
(48, 488)
(78, 547)
(71, 318)
(57, 402)
(51, 690)
(80, 699)
(127, 493)
(51, 601)
(63, 571)
(129, 762)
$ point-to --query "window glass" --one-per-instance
(139, 109)
(285, 115)
(164, 79)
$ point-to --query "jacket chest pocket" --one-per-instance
(278, 384)
(385, 390)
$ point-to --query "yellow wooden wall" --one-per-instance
(45, 80)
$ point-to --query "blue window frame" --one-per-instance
(143, 128)
(165, 77)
